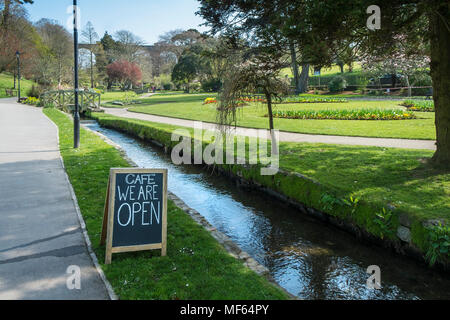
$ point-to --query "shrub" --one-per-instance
(338, 84)
(167, 86)
(195, 87)
(212, 85)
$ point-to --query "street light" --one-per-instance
(76, 116)
(18, 73)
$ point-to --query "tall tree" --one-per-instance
(59, 42)
(16, 34)
(128, 46)
(107, 53)
(439, 17)
(125, 73)
(187, 69)
(91, 37)
(415, 23)
(7, 6)
(176, 41)
(249, 72)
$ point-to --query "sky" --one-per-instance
(147, 19)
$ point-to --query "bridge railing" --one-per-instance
(65, 100)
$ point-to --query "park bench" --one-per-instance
(429, 94)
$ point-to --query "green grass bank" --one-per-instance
(191, 107)
(7, 82)
(387, 195)
(196, 267)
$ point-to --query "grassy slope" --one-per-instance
(7, 82)
(111, 96)
(197, 267)
(191, 107)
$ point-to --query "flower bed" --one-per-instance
(253, 99)
(32, 101)
(419, 105)
(210, 101)
(359, 114)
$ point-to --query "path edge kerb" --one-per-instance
(82, 223)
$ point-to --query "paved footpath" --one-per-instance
(40, 234)
(285, 136)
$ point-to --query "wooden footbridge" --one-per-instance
(65, 100)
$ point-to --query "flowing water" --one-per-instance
(308, 258)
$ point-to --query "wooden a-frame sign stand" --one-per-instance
(110, 212)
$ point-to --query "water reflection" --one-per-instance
(308, 258)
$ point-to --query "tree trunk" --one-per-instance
(440, 73)
(341, 65)
(269, 109)
(409, 87)
(304, 78)
(271, 126)
(295, 68)
(92, 70)
(350, 67)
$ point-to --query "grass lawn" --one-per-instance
(118, 95)
(379, 175)
(7, 82)
(333, 70)
(191, 107)
(196, 268)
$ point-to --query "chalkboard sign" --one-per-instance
(135, 217)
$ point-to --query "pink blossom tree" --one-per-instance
(403, 61)
(125, 73)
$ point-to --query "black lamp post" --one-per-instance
(18, 74)
(76, 116)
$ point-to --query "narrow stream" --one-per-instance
(308, 258)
